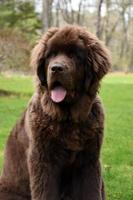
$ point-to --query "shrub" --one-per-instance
(14, 51)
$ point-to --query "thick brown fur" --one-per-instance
(53, 151)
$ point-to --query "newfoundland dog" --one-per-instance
(53, 151)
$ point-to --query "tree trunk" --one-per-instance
(98, 27)
(57, 14)
(46, 14)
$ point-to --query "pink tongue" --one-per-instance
(58, 94)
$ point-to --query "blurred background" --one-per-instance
(22, 22)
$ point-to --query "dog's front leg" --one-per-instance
(43, 176)
(87, 184)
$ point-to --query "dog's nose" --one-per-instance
(57, 68)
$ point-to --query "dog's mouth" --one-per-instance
(58, 92)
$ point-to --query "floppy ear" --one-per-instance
(38, 55)
(98, 57)
(98, 63)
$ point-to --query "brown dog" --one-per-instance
(53, 151)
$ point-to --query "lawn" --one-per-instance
(117, 157)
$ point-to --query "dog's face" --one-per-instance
(70, 62)
(65, 71)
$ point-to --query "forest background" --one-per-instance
(23, 21)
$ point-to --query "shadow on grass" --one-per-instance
(6, 93)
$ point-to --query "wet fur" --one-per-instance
(53, 151)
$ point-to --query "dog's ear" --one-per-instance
(38, 55)
(98, 61)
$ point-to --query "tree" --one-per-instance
(72, 14)
(98, 25)
(46, 14)
(19, 14)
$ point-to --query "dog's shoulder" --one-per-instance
(96, 115)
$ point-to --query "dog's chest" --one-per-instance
(71, 135)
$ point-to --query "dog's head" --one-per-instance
(69, 62)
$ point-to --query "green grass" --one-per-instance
(12, 105)
(117, 95)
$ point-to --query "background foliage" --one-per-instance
(22, 22)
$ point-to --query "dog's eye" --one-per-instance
(51, 54)
(80, 57)
(70, 55)
(77, 52)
